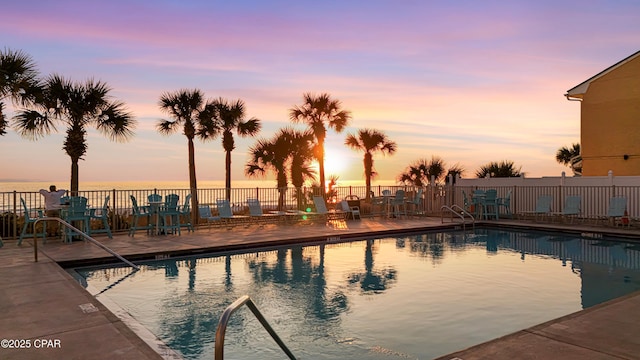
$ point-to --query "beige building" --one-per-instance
(610, 119)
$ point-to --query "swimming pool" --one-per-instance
(412, 297)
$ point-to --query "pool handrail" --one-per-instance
(85, 236)
(460, 212)
(224, 320)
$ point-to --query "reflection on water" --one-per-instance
(420, 296)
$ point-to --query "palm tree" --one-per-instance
(420, 172)
(370, 141)
(300, 155)
(505, 168)
(318, 112)
(454, 172)
(231, 117)
(76, 105)
(270, 155)
(570, 157)
(189, 112)
(288, 149)
(18, 81)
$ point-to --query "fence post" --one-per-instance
(15, 212)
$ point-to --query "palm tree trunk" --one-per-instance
(368, 172)
(74, 176)
(193, 186)
(321, 170)
(227, 177)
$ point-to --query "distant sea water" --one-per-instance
(34, 186)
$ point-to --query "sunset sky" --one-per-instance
(468, 81)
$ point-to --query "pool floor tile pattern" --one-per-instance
(42, 301)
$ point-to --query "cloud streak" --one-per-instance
(468, 81)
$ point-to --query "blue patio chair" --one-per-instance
(28, 219)
(466, 204)
(101, 214)
(137, 213)
(154, 198)
(477, 198)
(256, 213)
(185, 213)
(398, 205)
(224, 211)
(415, 203)
(505, 203)
(543, 207)
(617, 209)
(490, 204)
(77, 214)
(571, 208)
(169, 215)
(204, 212)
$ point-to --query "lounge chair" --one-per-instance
(224, 211)
(204, 211)
(571, 208)
(321, 209)
(617, 209)
(352, 210)
(256, 213)
(543, 207)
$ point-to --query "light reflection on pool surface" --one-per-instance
(415, 297)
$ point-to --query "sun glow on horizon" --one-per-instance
(337, 162)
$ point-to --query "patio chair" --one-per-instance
(101, 214)
(204, 213)
(225, 212)
(77, 214)
(490, 204)
(378, 204)
(350, 210)
(154, 198)
(185, 213)
(543, 207)
(31, 220)
(477, 198)
(256, 213)
(321, 210)
(505, 203)
(138, 212)
(571, 208)
(169, 215)
(414, 203)
(617, 209)
(398, 205)
(466, 204)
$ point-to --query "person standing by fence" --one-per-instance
(52, 206)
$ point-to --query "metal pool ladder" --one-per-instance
(459, 212)
(224, 319)
(84, 236)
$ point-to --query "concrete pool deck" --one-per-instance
(51, 316)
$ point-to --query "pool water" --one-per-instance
(407, 297)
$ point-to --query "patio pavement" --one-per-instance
(54, 317)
